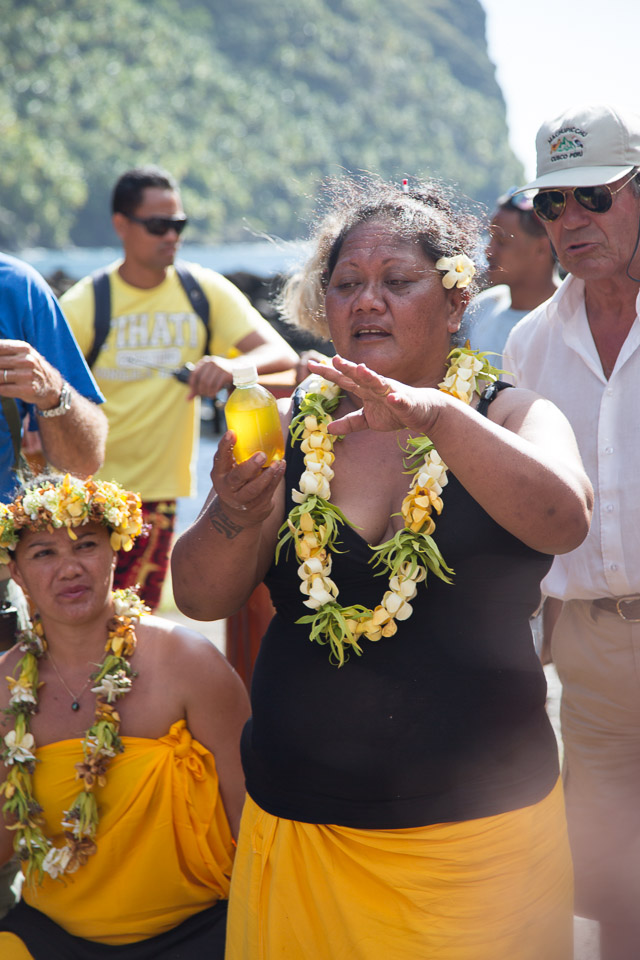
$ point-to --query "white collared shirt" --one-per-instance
(552, 351)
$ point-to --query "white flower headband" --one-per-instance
(71, 503)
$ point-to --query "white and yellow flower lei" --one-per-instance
(70, 503)
(313, 524)
(100, 744)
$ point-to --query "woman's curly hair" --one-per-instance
(424, 213)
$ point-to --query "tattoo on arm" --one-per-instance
(221, 523)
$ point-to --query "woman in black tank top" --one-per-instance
(402, 775)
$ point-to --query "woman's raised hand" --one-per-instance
(386, 404)
(244, 490)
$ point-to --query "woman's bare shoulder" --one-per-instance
(184, 655)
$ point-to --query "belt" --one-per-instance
(627, 608)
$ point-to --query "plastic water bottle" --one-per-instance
(252, 413)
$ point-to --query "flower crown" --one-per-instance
(70, 503)
(459, 271)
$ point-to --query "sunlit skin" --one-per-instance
(599, 249)
(67, 580)
(597, 246)
(385, 293)
(146, 256)
(179, 672)
(508, 247)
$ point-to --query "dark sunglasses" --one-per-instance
(158, 226)
(550, 204)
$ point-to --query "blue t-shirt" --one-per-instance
(29, 311)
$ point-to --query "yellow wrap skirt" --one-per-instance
(165, 848)
(496, 888)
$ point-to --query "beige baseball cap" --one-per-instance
(586, 146)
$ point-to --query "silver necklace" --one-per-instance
(75, 704)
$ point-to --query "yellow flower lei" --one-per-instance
(101, 743)
(313, 524)
(70, 503)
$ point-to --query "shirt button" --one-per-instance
(609, 507)
(608, 449)
(614, 566)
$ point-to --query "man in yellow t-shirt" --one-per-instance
(153, 417)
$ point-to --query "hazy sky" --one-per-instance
(550, 54)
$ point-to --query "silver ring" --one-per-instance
(6, 374)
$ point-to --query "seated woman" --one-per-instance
(123, 785)
(402, 775)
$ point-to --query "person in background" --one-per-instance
(520, 270)
(45, 383)
(153, 332)
(581, 349)
(43, 378)
(122, 785)
(403, 794)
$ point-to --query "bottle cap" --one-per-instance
(244, 373)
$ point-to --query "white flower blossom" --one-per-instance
(98, 749)
(20, 694)
(19, 751)
(317, 384)
(458, 271)
(127, 604)
(113, 685)
(56, 861)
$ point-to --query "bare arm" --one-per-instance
(222, 557)
(217, 708)
(268, 350)
(74, 441)
(521, 464)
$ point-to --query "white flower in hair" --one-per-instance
(459, 271)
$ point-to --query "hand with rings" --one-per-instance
(30, 377)
(385, 404)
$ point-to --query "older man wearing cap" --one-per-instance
(581, 349)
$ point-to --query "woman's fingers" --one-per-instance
(245, 488)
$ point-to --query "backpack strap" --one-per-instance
(102, 297)
(102, 315)
(197, 297)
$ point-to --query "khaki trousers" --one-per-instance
(597, 656)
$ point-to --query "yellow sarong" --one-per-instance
(496, 888)
(165, 849)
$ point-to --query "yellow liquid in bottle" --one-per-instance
(251, 412)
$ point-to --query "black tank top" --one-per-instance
(444, 721)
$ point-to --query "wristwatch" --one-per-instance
(64, 403)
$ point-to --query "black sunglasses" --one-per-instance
(550, 204)
(158, 226)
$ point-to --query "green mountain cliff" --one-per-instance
(250, 105)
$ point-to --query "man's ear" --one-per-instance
(120, 224)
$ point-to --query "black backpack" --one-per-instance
(102, 295)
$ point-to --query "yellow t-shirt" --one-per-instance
(153, 431)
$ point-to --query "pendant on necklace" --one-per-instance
(75, 705)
